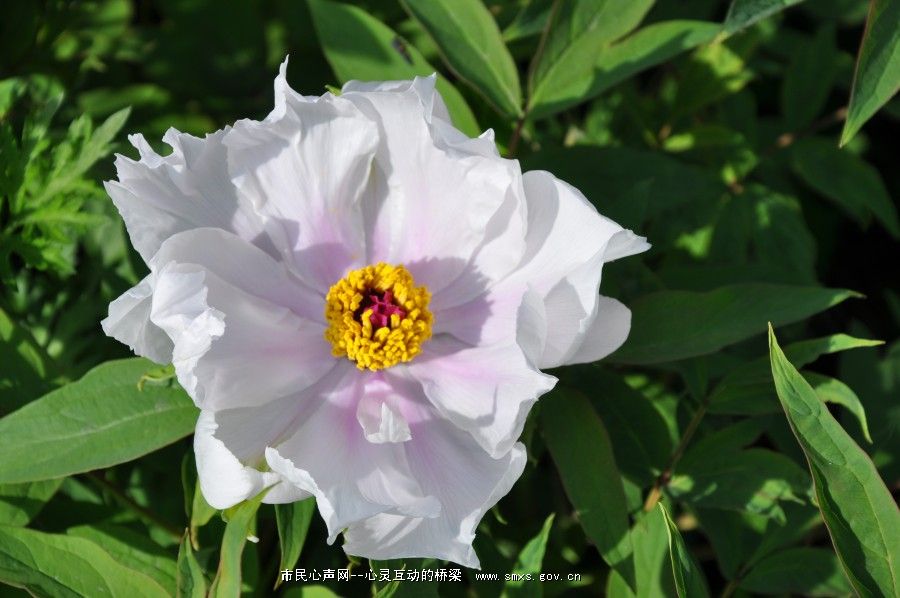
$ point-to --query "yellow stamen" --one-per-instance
(351, 331)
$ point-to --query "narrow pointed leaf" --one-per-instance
(529, 562)
(190, 580)
(472, 46)
(293, 521)
(860, 513)
(240, 524)
(689, 582)
(743, 13)
(358, 46)
(672, 325)
(877, 75)
(576, 33)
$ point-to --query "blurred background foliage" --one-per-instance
(713, 128)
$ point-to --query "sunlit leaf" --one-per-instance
(861, 515)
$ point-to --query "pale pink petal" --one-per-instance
(607, 332)
(486, 390)
(352, 479)
(467, 482)
(159, 196)
(232, 348)
(304, 169)
(129, 322)
(450, 211)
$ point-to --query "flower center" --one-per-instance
(377, 317)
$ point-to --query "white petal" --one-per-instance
(351, 478)
(568, 243)
(224, 479)
(129, 322)
(160, 196)
(607, 332)
(463, 477)
(444, 208)
(233, 349)
(485, 390)
(244, 266)
(379, 414)
(304, 169)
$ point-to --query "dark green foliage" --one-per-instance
(753, 142)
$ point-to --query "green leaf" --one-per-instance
(877, 75)
(860, 513)
(852, 184)
(529, 564)
(242, 519)
(689, 582)
(638, 432)
(804, 571)
(743, 13)
(201, 513)
(580, 447)
(832, 390)
(610, 176)
(293, 521)
(191, 582)
(748, 389)
(470, 42)
(576, 33)
(754, 480)
(358, 46)
(98, 421)
(672, 325)
(25, 365)
(808, 80)
(647, 47)
(19, 503)
(131, 549)
(57, 565)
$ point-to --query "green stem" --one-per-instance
(663, 479)
(130, 504)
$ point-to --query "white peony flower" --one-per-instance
(360, 300)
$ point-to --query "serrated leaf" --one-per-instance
(293, 521)
(877, 76)
(98, 421)
(470, 42)
(689, 582)
(860, 513)
(580, 447)
(358, 46)
(672, 325)
(577, 31)
(190, 581)
(58, 565)
(852, 184)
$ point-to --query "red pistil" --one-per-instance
(383, 307)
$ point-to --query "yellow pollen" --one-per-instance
(377, 317)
